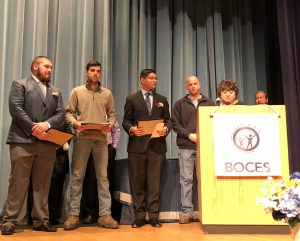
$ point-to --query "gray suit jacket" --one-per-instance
(27, 106)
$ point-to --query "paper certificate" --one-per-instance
(95, 126)
(151, 126)
(57, 137)
(158, 126)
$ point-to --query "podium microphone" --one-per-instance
(218, 103)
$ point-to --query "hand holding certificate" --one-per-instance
(158, 131)
(56, 136)
(151, 127)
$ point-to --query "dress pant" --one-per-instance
(55, 198)
(35, 160)
(145, 171)
(116, 206)
(61, 168)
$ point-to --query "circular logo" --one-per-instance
(245, 138)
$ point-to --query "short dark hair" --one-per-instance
(261, 91)
(91, 64)
(228, 84)
(37, 60)
(146, 72)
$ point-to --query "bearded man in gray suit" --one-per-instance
(35, 106)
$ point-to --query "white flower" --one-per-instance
(282, 197)
(55, 93)
(159, 104)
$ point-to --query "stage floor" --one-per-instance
(169, 232)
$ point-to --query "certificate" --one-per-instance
(158, 126)
(57, 137)
(95, 126)
(151, 126)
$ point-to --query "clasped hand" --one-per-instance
(139, 131)
(39, 130)
(163, 131)
(193, 137)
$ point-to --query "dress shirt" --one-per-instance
(45, 88)
(113, 137)
(150, 96)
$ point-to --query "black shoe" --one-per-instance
(8, 229)
(88, 219)
(138, 223)
(156, 224)
(45, 228)
(54, 221)
(29, 220)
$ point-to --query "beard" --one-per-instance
(43, 77)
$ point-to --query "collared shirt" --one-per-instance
(45, 88)
(43, 85)
(87, 84)
(195, 101)
(113, 137)
(150, 96)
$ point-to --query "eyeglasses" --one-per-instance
(152, 78)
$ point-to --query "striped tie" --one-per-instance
(43, 88)
(148, 102)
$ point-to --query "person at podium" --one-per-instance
(261, 98)
(184, 119)
(228, 92)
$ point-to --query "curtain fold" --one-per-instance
(212, 39)
(289, 41)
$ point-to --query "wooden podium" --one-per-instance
(228, 204)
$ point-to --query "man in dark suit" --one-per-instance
(35, 106)
(146, 155)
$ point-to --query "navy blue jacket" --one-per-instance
(184, 119)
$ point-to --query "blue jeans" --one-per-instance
(187, 163)
(81, 153)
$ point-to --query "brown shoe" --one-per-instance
(107, 221)
(8, 228)
(184, 219)
(72, 222)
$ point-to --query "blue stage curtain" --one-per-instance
(212, 39)
(289, 41)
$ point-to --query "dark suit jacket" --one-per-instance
(27, 105)
(135, 110)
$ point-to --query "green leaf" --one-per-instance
(293, 222)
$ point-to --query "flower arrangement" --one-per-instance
(282, 199)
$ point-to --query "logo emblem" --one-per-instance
(245, 138)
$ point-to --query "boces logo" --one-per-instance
(245, 138)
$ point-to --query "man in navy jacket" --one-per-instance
(184, 118)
